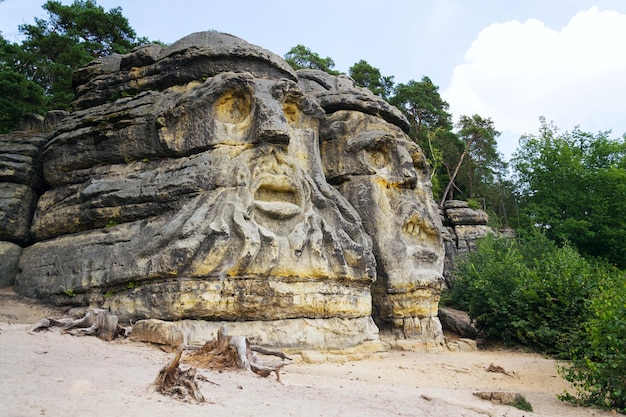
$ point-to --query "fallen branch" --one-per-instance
(97, 321)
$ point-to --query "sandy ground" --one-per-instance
(52, 374)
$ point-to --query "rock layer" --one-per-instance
(368, 157)
(190, 184)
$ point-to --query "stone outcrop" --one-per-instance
(464, 227)
(369, 158)
(9, 259)
(21, 182)
(206, 182)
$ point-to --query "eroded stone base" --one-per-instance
(358, 336)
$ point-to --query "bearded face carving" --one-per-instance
(386, 178)
(221, 207)
(276, 214)
(369, 158)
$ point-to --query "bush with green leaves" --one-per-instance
(597, 369)
(528, 292)
(550, 298)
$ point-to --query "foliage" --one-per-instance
(528, 291)
(301, 57)
(598, 361)
(369, 77)
(483, 163)
(423, 106)
(573, 185)
(19, 94)
(521, 403)
(52, 49)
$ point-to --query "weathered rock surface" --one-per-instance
(9, 259)
(453, 321)
(181, 189)
(190, 184)
(464, 228)
(331, 336)
(20, 180)
(384, 175)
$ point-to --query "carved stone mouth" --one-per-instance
(277, 197)
(416, 228)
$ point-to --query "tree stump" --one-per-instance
(178, 383)
(97, 321)
(235, 351)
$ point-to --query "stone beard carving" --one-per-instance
(208, 180)
(221, 207)
(278, 215)
(385, 176)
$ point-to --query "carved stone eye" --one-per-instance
(233, 106)
(292, 112)
(377, 158)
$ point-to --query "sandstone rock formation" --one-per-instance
(369, 158)
(464, 227)
(21, 183)
(189, 184)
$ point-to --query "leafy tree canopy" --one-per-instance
(71, 37)
(573, 185)
(19, 94)
(369, 77)
(480, 158)
(301, 57)
(423, 106)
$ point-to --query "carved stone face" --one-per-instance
(270, 200)
(239, 221)
(384, 175)
(266, 236)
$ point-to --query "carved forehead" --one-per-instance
(347, 125)
(283, 91)
(195, 57)
(354, 131)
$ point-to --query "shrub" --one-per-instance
(598, 360)
(529, 292)
(536, 294)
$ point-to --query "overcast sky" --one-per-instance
(512, 61)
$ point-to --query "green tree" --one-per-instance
(369, 77)
(480, 158)
(529, 292)
(573, 185)
(301, 57)
(598, 359)
(19, 94)
(71, 37)
(423, 106)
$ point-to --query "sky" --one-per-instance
(511, 61)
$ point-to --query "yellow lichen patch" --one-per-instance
(415, 304)
(185, 87)
(233, 106)
(292, 112)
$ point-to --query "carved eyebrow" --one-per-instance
(225, 82)
(369, 140)
(285, 88)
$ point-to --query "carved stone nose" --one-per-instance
(272, 125)
(276, 136)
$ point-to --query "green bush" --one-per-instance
(598, 361)
(529, 292)
(550, 298)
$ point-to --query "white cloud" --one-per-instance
(515, 72)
